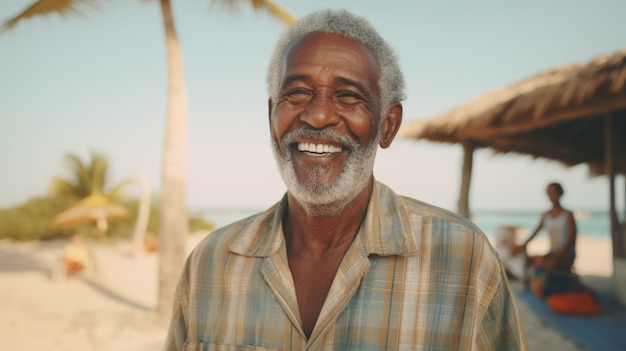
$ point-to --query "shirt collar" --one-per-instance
(387, 226)
(385, 231)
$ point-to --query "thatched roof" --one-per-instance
(557, 114)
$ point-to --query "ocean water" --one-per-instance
(594, 224)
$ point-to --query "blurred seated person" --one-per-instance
(560, 225)
(76, 257)
(505, 243)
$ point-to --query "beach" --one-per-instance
(593, 264)
(113, 307)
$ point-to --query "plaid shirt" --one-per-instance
(416, 277)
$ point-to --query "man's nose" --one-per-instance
(320, 112)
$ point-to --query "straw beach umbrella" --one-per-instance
(574, 114)
(94, 209)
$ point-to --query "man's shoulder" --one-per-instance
(245, 229)
(421, 212)
(444, 234)
(441, 228)
(433, 212)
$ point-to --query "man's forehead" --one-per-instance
(326, 40)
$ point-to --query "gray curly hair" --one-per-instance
(390, 81)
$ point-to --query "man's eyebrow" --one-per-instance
(294, 78)
(360, 87)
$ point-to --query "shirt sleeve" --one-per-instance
(501, 327)
(177, 333)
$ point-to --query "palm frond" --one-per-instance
(98, 170)
(80, 177)
(50, 7)
(273, 8)
(60, 186)
(117, 193)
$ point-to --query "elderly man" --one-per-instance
(341, 262)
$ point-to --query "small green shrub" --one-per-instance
(31, 221)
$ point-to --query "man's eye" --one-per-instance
(298, 95)
(348, 98)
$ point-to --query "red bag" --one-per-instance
(580, 303)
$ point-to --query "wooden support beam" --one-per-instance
(463, 207)
(618, 250)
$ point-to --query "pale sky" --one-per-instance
(98, 83)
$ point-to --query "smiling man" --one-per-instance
(325, 122)
(341, 262)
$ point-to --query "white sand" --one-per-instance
(111, 308)
(114, 309)
(594, 256)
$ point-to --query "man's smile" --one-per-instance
(318, 148)
(320, 152)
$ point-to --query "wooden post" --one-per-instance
(463, 205)
(143, 216)
(609, 169)
(618, 281)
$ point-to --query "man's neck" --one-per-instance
(315, 249)
(319, 235)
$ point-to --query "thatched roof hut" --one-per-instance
(574, 114)
(557, 114)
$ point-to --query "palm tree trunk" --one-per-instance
(173, 226)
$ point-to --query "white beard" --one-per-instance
(320, 199)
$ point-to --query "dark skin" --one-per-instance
(560, 259)
(328, 81)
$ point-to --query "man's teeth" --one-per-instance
(318, 148)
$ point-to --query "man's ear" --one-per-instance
(391, 124)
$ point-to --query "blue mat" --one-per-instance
(606, 332)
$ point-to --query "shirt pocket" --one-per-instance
(201, 346)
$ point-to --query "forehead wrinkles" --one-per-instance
(319, 53)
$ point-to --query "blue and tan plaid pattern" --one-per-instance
(416, 277)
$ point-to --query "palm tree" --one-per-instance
(88, 185)
(173, 224)
(87, 179)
